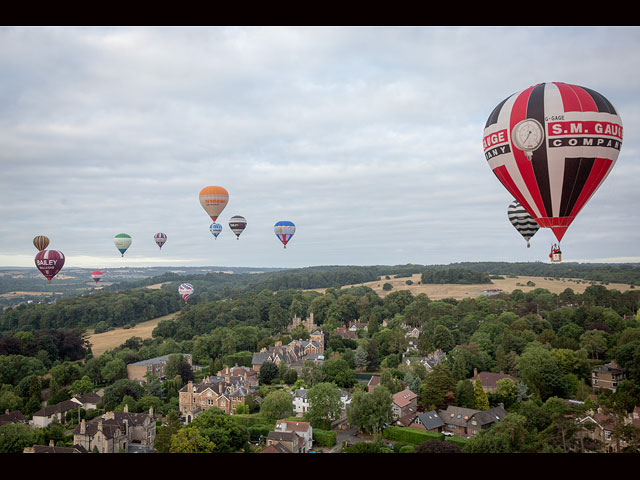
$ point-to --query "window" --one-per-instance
(473, 422)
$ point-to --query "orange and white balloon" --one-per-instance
(213, 199)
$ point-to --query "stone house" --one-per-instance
(301, 429)
(46, 415)
(114, 431)
(607, 376)
(137, 371)
(286, 440)
(293, 354)
(193, 399)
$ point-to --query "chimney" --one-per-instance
(83, 427)
(151, 411)
(190, 387)
(126, 427)
(475, 372)
(126, 408)
(100, 426)
(51, 444)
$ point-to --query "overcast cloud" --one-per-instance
(368, 139)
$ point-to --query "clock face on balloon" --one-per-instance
(527, 135)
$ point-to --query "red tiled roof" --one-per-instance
(404, 398)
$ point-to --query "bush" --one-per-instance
(324, 438)
(407, 449)
(410, 435)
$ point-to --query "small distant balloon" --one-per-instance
(49, 262)
(213, 199)
(215, 229)
(522, 221)
(284, 230)
(122, 242)
(96, 275)
(237, 224)
(185, 290)
(160, 238)
(41, 242)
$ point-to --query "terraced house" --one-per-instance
(214, 391)
(293, 354)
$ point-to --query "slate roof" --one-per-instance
(493, 415)
(431, 420)
(12, 417)
(53, 449)
(275, 448)
(61, 407)
(458, 416)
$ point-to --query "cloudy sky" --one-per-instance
(368, 139)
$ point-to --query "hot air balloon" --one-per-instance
(284, 231)
(123, 242)
(49, 262)
(552, 145)
(522, 221)
(96, 275)
(237, 224)
(160, 238)
(215, 229)
(213, 200)
(41, 242)
(185, 290)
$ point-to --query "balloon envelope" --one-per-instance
(552, 145)
(41, 242)
(160, 238)
(215, 229)
(122, 242)
(49, 262)
(185, 290)
(213, 199)
(284, 230)
(522, 221)
(96, 275)
(237, 224)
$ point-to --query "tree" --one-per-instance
(481, 400)
(506, 392)
(594, 342)
(114, 370)
(437, 446)
(277, 405)
(370, 411)
(436, 391)
(268, 372)
(465, 394)
(165, 431)
(190, 440)
(507, 436)
(443, 338)
(337, 370)
(324, 404)
(227, 435)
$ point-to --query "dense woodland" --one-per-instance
(550, 342)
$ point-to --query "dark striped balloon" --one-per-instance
(41, 242)
(522, 221)
(552, 145)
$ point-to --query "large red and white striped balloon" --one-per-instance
(49, 262)
(185, 290)
(552, 145)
